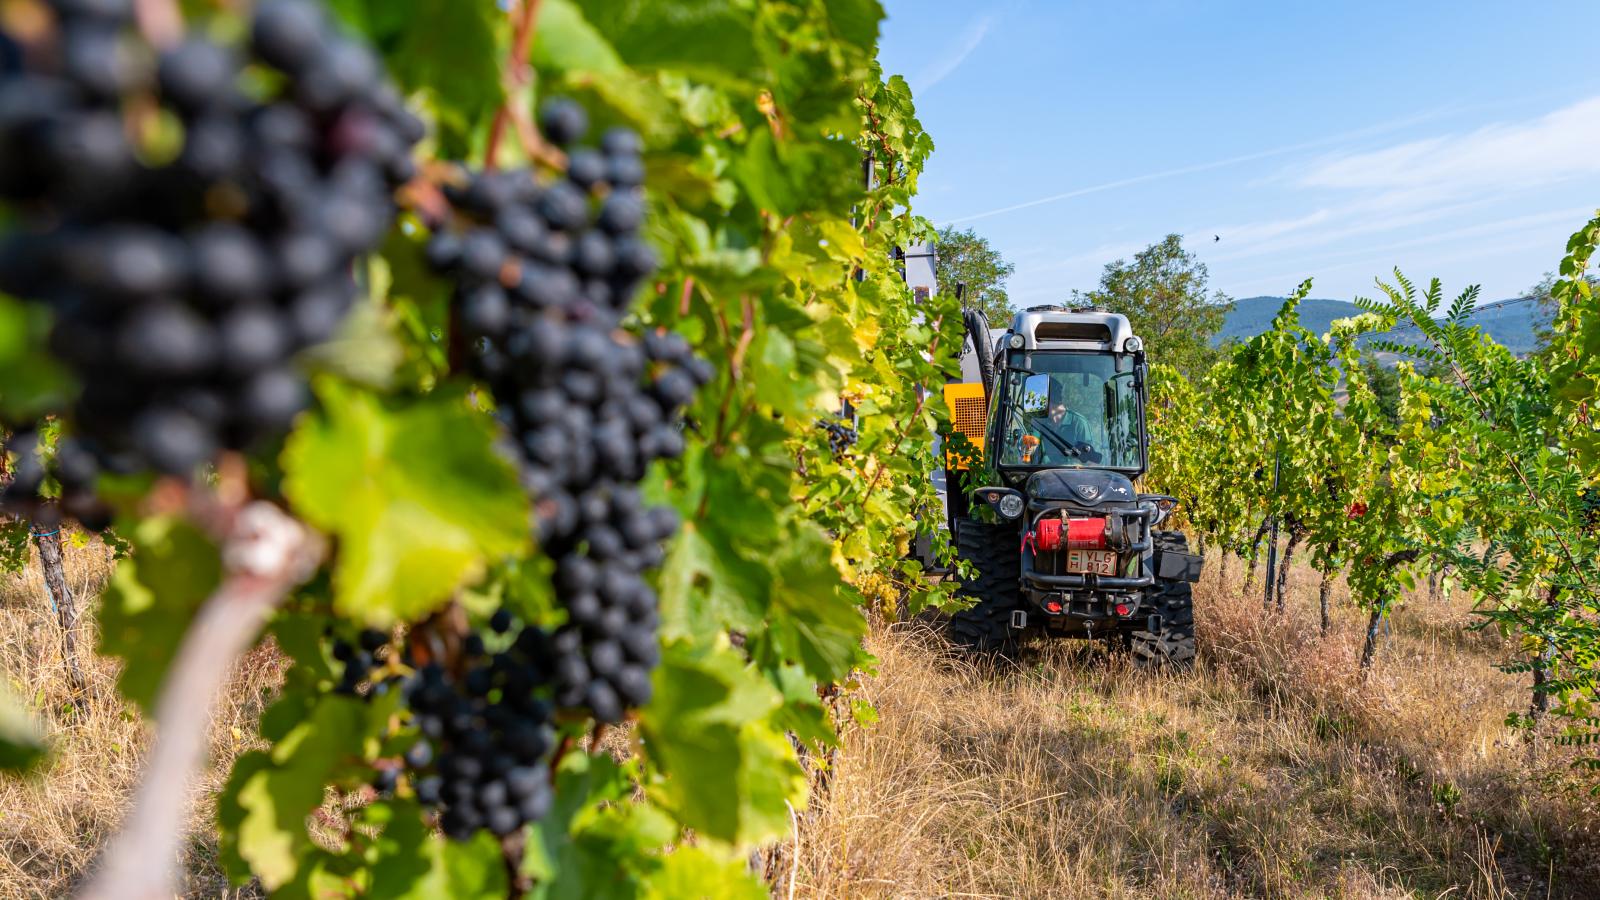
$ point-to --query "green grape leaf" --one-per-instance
(230, 814)
(693, 872)
(15, 537)
(707, 588)
(447, 51)
(270, 793)
(415, 492)
(568, 42)
(582, 780)
(403, 857)
(814, 620)
(414, 863)
(323, 876)
(32, 382)
(597, 840)
(713, 39)
(365, 349)
(802, 713)
(727, 772)
(857, 21)
(153, 595)
(21, 747)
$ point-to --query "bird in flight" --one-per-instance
(1215, 238)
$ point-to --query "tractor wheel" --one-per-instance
(1173, 601)
(985, 628)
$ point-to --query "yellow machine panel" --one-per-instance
(969, 414)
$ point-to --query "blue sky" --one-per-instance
(1332, 140)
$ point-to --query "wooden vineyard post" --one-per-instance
(53, 564)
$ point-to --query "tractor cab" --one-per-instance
(1068, 392)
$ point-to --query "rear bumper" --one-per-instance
(1081, 582)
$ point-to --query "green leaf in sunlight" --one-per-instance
(727, 772)
(694, 872)
(414, 491)
(151, 599)
(270, 793)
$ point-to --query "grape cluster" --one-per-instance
(485, 734)
(543, 272)
(840, 436)
(74, 469)
(360, 659)
(191, 236)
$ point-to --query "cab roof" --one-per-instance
(1060, 328)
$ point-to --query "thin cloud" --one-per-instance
(942, 68)
(1549, 148)
(1252, 232)
(1390, 211)
(1423, 181)
(1381, 259)
(1200, 167)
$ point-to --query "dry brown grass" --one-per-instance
(1272, 770)
(52, 825)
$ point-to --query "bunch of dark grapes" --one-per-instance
(485, 733)
(75, 471)
(841, 437)
(544, 271)
(360, 659)
(186, 270)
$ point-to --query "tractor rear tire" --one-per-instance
(1173, 645)
(985, 628)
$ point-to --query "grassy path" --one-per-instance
(1272, 770)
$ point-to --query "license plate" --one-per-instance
(1092, 562)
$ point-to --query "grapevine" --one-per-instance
(1469, 480)
(467, 354)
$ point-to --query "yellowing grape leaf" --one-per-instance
(415, 493)
(728, 773)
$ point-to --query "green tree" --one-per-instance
(1385, 384)
(965, 257)
(1163, 294)
(1549, 306)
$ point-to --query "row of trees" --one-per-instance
(1486, 466)
(1164, 291)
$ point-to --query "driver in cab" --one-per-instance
(1068, 429)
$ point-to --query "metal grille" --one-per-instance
(969, 416)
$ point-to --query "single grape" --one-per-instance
(563, 121)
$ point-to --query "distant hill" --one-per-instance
(1511, 323)
(1253, 315)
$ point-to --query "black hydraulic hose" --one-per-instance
(978, 332)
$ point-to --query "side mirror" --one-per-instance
(1036, 395)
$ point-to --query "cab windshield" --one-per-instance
(1071, 410)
